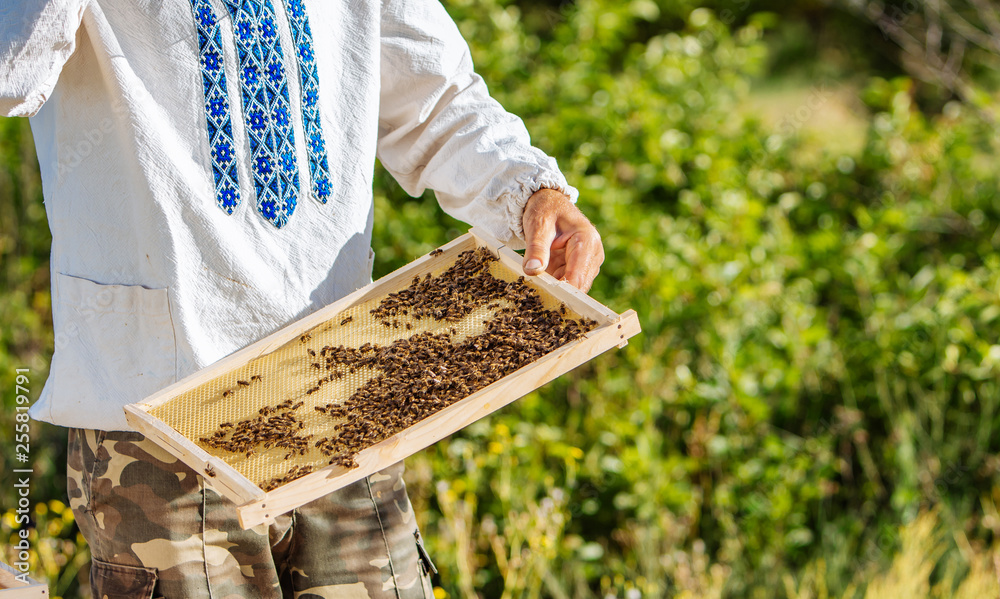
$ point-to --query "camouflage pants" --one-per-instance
(156, 530)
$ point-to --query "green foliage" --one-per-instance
(912, 572)
(819, 354)
(817, 359)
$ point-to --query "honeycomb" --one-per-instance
(302, 422)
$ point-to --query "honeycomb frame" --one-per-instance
(178, 416)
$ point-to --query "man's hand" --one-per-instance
(560, 240)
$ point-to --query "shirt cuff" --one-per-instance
(515, 197)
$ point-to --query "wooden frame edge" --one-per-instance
(576, 300)
(227, 479)
(12, 588)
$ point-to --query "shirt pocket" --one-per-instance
(114, 346)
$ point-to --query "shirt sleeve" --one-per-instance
(36, 39)
(440, 129)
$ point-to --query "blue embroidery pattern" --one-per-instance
(319, 167)
(217, 114)
(266, 108)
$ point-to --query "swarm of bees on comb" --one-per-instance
(413, 377)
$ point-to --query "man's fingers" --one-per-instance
(557, 260)
(560, 240)
(539, 241)
(584, 256)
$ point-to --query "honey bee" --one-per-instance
(255, 377)
(243, 383)
(210, 471)
(305, 337)
(346, 320)
(227, 393)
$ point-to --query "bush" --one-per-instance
(816, 362)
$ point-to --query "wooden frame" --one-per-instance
(12, 588)
(255, 506)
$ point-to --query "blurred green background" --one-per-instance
(801, 202)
